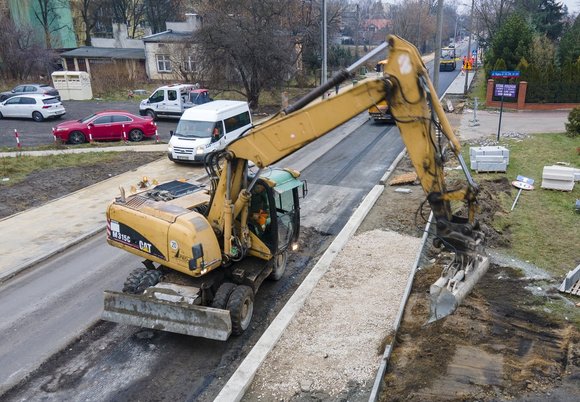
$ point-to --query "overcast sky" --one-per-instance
(573, 5)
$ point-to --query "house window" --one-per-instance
(189, 64)
(163, 63)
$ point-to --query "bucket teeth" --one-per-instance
(455, 283)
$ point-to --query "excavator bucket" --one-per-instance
(156, 311)
(455, 283)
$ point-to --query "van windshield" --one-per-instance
(195, 129)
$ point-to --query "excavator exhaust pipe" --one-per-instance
(455, 283)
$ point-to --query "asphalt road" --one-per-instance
(32, 134)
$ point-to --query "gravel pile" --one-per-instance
(354, 305)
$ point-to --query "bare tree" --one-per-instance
(415, 21)
(47, 14)
(158, 12)
(21, 55)
(490, 14)
(248, 43)
(91, 12)
(129, 12)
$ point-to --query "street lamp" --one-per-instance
(469, 47)
(324, 44)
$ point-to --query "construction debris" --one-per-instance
(571, 283)
(405, 178)
(489, 159)
(558, 178)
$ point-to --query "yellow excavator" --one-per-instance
(208, 248)
(380, 111)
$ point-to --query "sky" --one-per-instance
(573, 5)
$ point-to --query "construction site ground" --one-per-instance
(505, 342)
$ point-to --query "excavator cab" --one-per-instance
(274, 209)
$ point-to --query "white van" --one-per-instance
(207, 128)
(173, 100)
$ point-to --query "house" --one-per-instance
(120, 55)
(170, 55)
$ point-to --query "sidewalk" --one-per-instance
(59, 224)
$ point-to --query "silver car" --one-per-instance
(34, 106)
(26, 89)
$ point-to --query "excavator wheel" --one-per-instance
(241, 306)
(140, 279)
(279, 262)
(220, 300)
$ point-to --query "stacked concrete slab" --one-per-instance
(489, 159)
(558, 178)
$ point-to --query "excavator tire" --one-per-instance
(140, 279)
(241, 307)
(220, 300)
(279, 262)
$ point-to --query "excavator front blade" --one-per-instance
(449, 291)
(166, 315)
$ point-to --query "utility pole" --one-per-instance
(323, 73)
(455, 34)
(469, 48)
(438, 45)
(324, 44)
(419, 25)
(356, 32)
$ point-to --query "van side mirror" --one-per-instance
(171, 133)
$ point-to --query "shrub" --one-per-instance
(573, 125)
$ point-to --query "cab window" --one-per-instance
(286, 217)
(157, 97)
(172, 95)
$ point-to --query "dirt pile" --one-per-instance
(508, 340)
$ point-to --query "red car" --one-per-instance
(106, 125)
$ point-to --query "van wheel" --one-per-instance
(241, 306)
(151, 114)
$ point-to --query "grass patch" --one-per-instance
(478, 89)
(544, 225)
(17, 168)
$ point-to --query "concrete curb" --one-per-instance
(379, 384)
(241, 380)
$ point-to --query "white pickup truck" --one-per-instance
(173, 100)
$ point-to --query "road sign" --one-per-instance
(522, 186)
(507, 90)
(523, 183)
(505, 74)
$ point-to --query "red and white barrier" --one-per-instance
(17, 139)
(54, 135)
(156, 136)
(124, 134)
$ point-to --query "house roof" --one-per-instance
(378, 23)
(106, 53)
(168, 36)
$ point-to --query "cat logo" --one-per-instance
(143, 246)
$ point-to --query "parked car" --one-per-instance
(26, 89)
(106, 125)
(34, 106)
